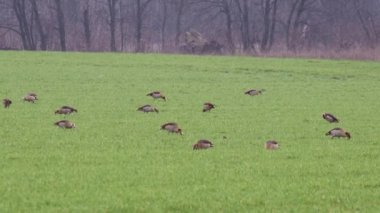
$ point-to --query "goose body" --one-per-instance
(157, 95)
(172, 127)
(65, 124)
(203, 144)
(32, 94)
(65, 110)
(253, 92)
(147, 108)
(330, 117)
(271, 145)
(338, 133)
(7, 102)
(208, 107)
(30, 98)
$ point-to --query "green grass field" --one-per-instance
(118, 159)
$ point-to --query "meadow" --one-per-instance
(118, 160)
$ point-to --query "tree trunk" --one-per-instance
(140, 8)
(227, 12)
(112, 23)
(86, 26)
(39, 25)
(265, 37)
(244, 24)
(163, 25)
(179, 22)
(364, 25)
(296, 23)
(246, 43)
(61, 24)
(289, 24)
(26, 35)
(121, 24)
(138, 25)
(273, 25)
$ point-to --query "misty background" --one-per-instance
(257, 27)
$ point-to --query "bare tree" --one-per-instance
(61, 24)
(367, 23)
(19, 8)
(179, 7)
(266, 33)
(86, 25)
(163, 23)
(140, 9)
(40, 29)
(293, 23)
(225, 7)
(270, 9)
(273, 24)
(244, 23)
(112, 22)
(121, 25)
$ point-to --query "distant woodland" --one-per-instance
(191, 26)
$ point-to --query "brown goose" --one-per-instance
(7, 102)
(172, 127)
(32, 94)
(65, 124)
(207, 107)
(330, 117)
(338, 132)
(147, 108)
(65, 110)
(253, 92)
(30, 98)
(203, 144)
(271, 145)
(157, 95)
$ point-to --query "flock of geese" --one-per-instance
(32, 98)
(173, 127)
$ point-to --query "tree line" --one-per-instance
(240, 26)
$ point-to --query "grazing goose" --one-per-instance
(330, 117)
(30, 98)
(32, 94)
(253, 92)
(65, 124)
(338, 132)
(65, 110)
(271, 145)
(147, 108)
(203, 144)
(157, 95)
(172, 127)
(207, 107)
(7, 102)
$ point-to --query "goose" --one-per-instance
(157, 95)
(253, 92)
(203, 144)
(271, 145)
(338, 132)
(172, 127)
(330, 117)
(65, 124)
(65, 110)
(32, 94)
(147, 108)
(7, 102)
(207, 107)
(30, 98)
